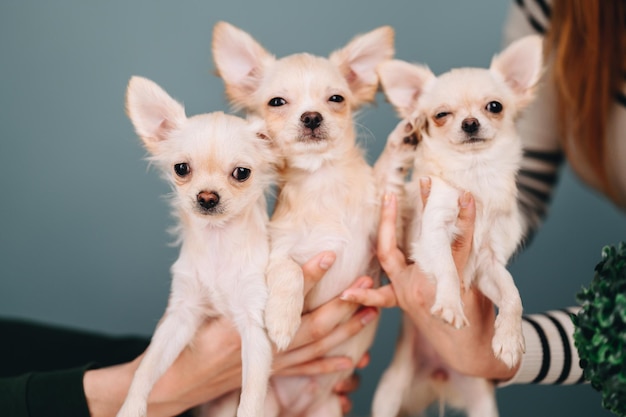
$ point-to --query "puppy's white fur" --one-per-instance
(468, 142)
(328, 197)
(218, 199)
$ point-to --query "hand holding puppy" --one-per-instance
(207, 370)
(412, 291)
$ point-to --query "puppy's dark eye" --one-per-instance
(336, 98)
(441, 114)
(241, 174)
(494, 107)
(277, 102)
(182, 169)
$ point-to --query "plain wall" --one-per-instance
(83, 238)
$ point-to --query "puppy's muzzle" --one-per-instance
(208, 200)
(470, 125)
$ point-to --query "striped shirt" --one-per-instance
(551, 357)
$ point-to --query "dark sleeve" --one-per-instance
(42, 366)
(44, 394)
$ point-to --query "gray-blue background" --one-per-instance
(82, 224)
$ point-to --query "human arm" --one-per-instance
(543, 155)
(42, 366)
(550, 353)
(551, 356)
(208, 370)
(49, 371)
(413, 292)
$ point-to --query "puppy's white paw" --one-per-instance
(508, 343)
(282, 322)
(451, 313)
(403, 139)
(133, 408)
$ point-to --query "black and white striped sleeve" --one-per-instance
(551, 357)
(536, 181)
(537, 126)
(542, 159)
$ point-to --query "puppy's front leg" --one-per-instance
(285, 282)
(392, 167)
(432, 251)
(173, 334)
(497, 284)
(256, 359)
(396, 159)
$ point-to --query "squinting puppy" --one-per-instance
(467, 141)
(219, 167)
(328, 198)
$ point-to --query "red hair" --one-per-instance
(586, 39)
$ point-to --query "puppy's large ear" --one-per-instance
(358, 60)
(521, 65)
(240, 61)
(403, 83)
(152, 111)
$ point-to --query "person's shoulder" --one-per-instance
(527, 17)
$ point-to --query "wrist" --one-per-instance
(105, 388)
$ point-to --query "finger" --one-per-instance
(425, 184)
(467, 213)
(323, 345)
(390, 257)
(315, 268)
(347, 385)
(327, 365)
(344, 388)
(383, 297)
(346, 404)
(325, 318)
(364, 361)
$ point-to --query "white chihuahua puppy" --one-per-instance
(328, 198)
(220, 167)
(467, 141)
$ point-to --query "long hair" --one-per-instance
(586, 38)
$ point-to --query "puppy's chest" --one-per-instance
(224, 261)
(336, 215)
(333, 203)
(489, 180)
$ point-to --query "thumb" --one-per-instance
(390, 257)
(315, 268)
(462, 245)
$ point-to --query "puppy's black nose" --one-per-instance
(208, 199)
(311, 119)
(470, 125)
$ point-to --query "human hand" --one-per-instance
(408, 281)
(211, 366)
(414, 292)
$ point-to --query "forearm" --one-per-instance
(180, 389)
(202, 372)
(551, 357)
(105, 388)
